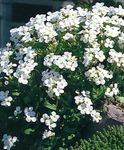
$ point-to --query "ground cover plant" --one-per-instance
(110, 138)
(57, 73)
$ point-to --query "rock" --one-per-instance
(115, 112)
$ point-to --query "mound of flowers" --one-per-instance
(57, 73)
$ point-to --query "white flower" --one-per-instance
(47, 33)
(6, 82)
(8, 141)
(53, 16)
(121, 40)
(54, 117)
(68, 36)
(21, 34)
(5, 100)
(109, 43)
(49, 59)
(44, 118)
(100, 9)
(112, 90)
(55, 83)
(69, 19)
(66, 61)
(17, 110)
(70, 61)
(26, 65)
(119, 11)
(5, 65)
(116, 58)
(111, 31)
(98, 74)
(92, 56)
(96, 116)
(30, 114)
(47, 134)
(84, 105)
(51, 120)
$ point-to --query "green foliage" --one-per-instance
(108, 3)
(86, 3)
(28, 131)
(111, 138)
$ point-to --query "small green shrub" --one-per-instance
(111, 138)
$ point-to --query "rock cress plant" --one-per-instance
(57, 72)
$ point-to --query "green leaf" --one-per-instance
(70, 137)
(28, 131)
(98, 92)
(48, 148)
(15, 93)
(50, 106)
(120, 99)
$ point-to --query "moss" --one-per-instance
(111, 138)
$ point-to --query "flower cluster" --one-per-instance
(98, 74)
(109, 43)
(66, 61)
(47, 134)
(112, 90)
(112, 31)
(30, 115)
(84, 104)
(50, 122)
(25, 58)
(121, 41)
(20, 34)
(92, 56)
(5, 65)
(5, 99)
(95, 116)
(45, 32)
(8, 141)
(69, 19)
(116, 58)
(54, 81)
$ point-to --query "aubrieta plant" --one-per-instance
(56, 75)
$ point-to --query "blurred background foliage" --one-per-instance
(87, 3)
